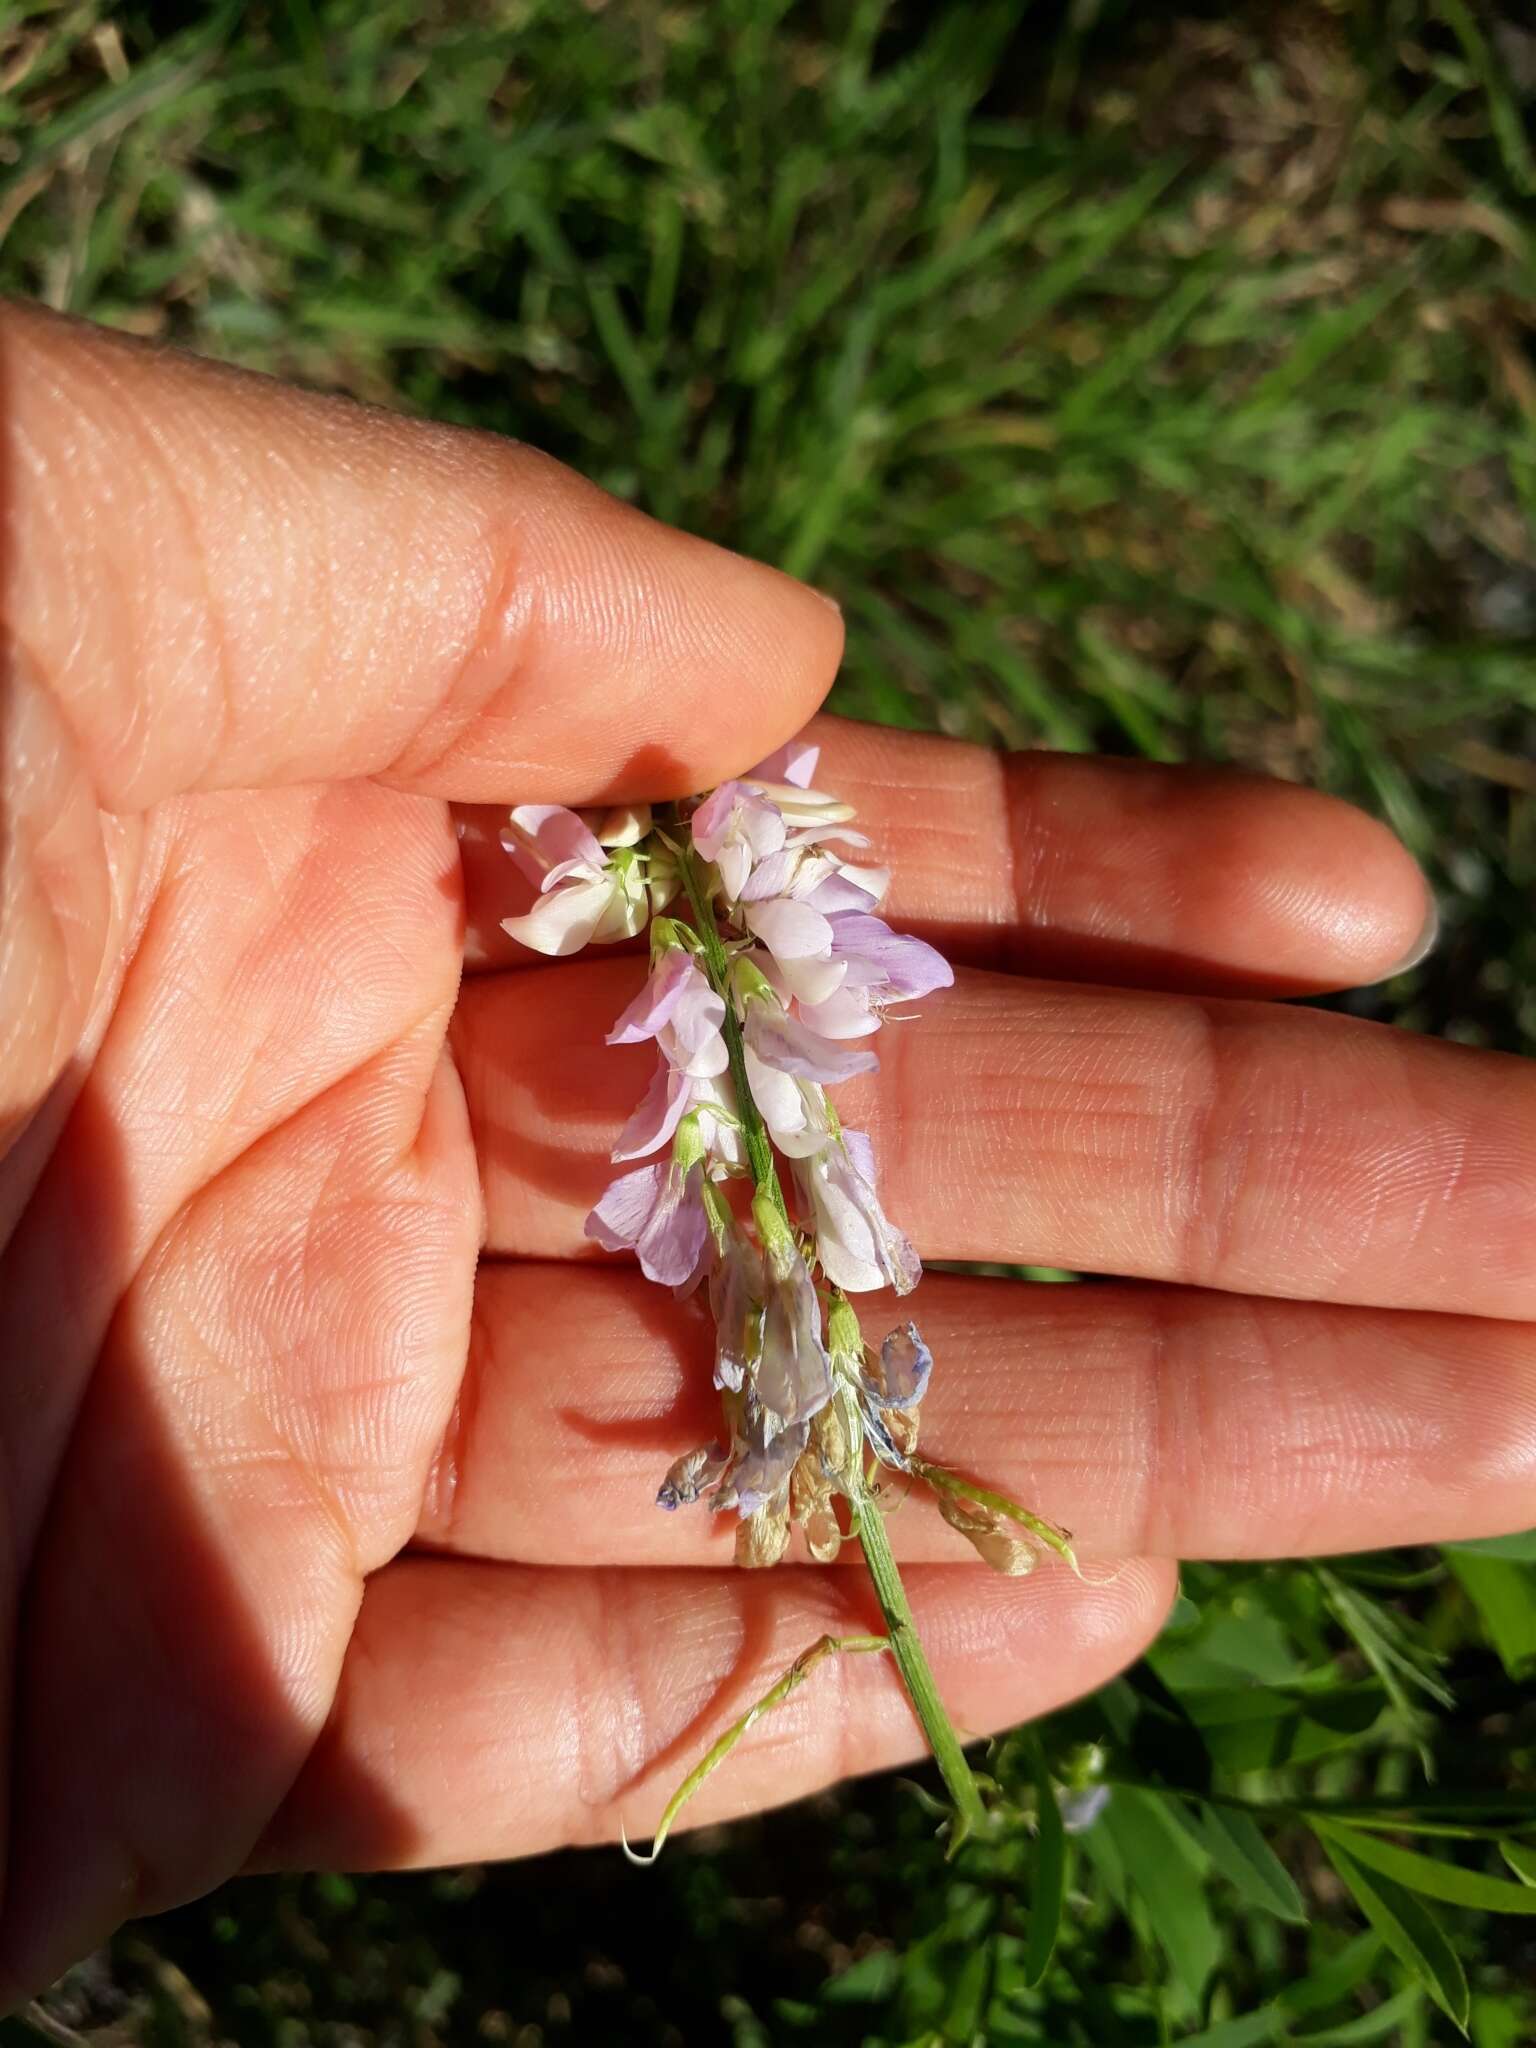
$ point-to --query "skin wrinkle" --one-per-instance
(448, 1469)
(644, 1721)
(511, 623)
(627, 1710)
(278, 1448)
(222, 680)
(1026, 852)
(31, 1481)
(159, 463)
(1158, 1455)
(159, 1251)
(1211, 1182)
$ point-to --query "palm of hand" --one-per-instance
(263, 1217)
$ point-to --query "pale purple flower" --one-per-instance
(810, 814)
(799, 942)
(657, 1115)
(795, 1112)
(584, 895)
(548, 841)
(901, 1378)
(786, 1065)
(678, 1008)
(793, 1376)
(736, 1296)
(672, 1096)
(794, 763)
(860, 1249)
(882, 967)
(788, 1043)
(849, 888)
(736, 827)
(657, 1212)
(808, 873)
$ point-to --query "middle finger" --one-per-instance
(1153, 1421)
(1232, 1145)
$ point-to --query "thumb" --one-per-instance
(223, 582)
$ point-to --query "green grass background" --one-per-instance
(1153, 378)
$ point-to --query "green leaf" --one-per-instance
(1504, 1593)
(1252, 2030)
(1408, 1928)
(1430, 1875)
(1239, 1851)
(969, 1992)
(1501, 2021)
(1520, 1548)
(1050, 1869)
(1521, 1859)
(1382, 2024)
(869, 1981)
(1256, 1727)
(1396, 1650)
(1157, 1857)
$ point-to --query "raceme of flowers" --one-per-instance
(771, 975)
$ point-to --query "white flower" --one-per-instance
(585, 894)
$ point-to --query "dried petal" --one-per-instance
(793, 1378)
(990, 1535)
(823, 1535)
(809, 1487)
(692, 1475)
(763, 1538)
(903, 1426)
(837, 1436)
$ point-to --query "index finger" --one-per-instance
(228, 582)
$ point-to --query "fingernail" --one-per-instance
(1422, 946)
(826, 598)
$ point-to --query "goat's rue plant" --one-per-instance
(770, 974)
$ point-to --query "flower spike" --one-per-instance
(770, 979)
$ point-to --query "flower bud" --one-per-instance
(750, 984)
(690, 1146)
(663, 876)
(622, 825)
(778, 1240)
(845, 1339)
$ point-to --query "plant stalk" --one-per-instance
(869, 1523)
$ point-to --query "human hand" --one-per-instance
(337, 1550)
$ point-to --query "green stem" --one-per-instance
(718, 967)
(869, 1523)
(907, 1648)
